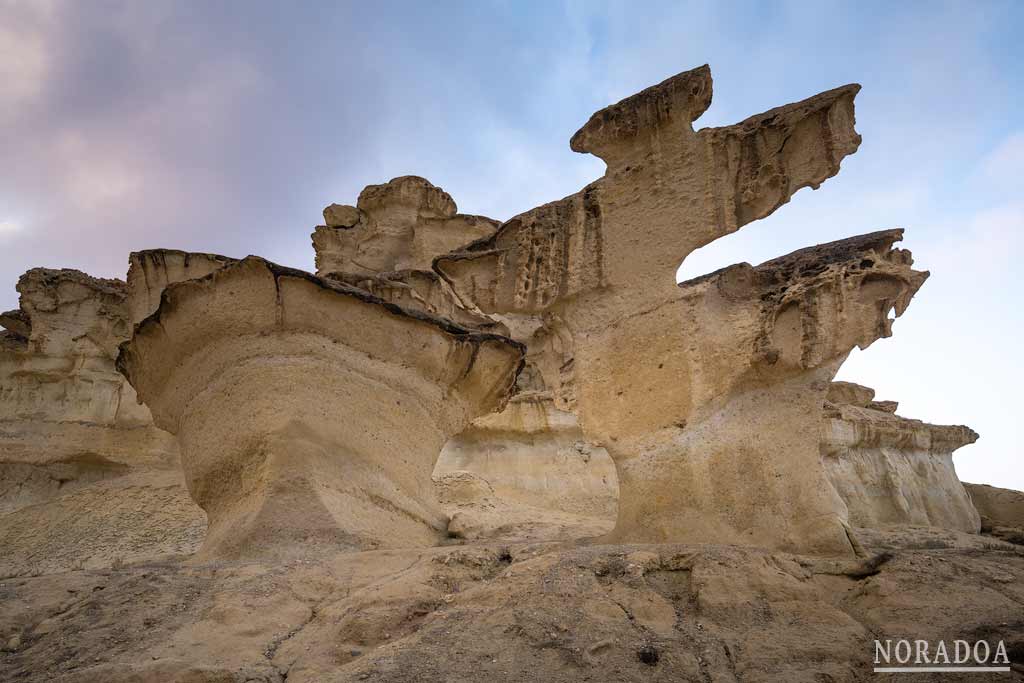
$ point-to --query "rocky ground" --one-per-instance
(516, 610)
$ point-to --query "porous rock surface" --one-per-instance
(659, 368)
(532, 454)
(513, 612)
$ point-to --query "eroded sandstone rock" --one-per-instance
(890, 470)
(533, 452)
(1001, 510)
(150, 272)
(310, 412)
(662, 376)
(399, 225)
(84, 474)
(66, 415)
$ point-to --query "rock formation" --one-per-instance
(533, 453)
(662, 377)
(700, 420)
(85, 477)
(890, 470)
(1001, 511)
(310, 413)
(400, 225)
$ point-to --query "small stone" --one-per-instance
(341, 216)
(14, 643)
(648, 654)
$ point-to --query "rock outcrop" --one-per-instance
(680, 407)
(1001, 511)
(890, 470)
(86, 479)
(400, 225)
(310, 413)
(533, 453)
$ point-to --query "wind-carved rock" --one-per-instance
(150, 272)
(309, 412)
(890, 470)
(66, 415)
(532, 452)
(86, 479)
(400, 225)
(695, 438)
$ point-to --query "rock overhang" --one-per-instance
(281, 309)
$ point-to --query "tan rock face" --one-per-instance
(421, 290)
(400, 225)
(1002, 511)
(308, 409)
(341, 216)
(151, 272)
(62, 401)
(75, 446)
(679, 384)
(534, 454)
(892, 471)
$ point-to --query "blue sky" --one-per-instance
(226, 127)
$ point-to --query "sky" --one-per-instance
(226, 127)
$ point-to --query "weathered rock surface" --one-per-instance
(478, 513)
(150, 272)
(890, 470)
(85, 477)
(533, 454)
(600, 265)
(513, 612)
(310, 413)
(400, 225)
(1001, 511)
(420, 290)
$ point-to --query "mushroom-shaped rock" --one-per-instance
(399, 225)
(309, 412)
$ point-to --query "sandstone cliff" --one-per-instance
(890, 470)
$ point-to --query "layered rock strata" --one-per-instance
(890, 470)
(84, 473)
(309, 412)
(534, 454)
(67, 418)
(531, 454)
(1001, 511)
